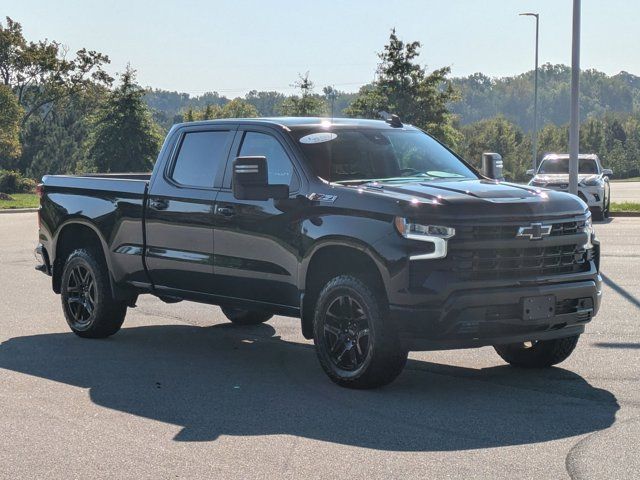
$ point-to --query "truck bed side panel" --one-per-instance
(112, 207)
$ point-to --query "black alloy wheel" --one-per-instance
(346, 333)
(81, 295)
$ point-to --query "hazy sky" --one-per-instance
(234, 46)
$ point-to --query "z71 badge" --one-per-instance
(321, 197)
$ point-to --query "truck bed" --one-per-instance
(112, 204)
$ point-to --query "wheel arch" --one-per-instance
(329, 259)
(72, 234)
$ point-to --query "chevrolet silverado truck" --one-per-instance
(376, 236)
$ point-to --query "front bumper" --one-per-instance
(593, 196)
(493, 316)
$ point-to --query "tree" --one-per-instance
(307, 104)
(124, 137)
(330, 95)
(266, 103)
(501, 136)
(10, 147)
(57, 143)
(238, 108)
(404, 88)
(40, 74)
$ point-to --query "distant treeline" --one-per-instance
(479, 97)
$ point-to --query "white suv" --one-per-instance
(593, 180)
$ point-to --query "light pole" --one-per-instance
(574, 130)
(535, 94)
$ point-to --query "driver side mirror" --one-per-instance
(607, 172)
(531, 172)
(492, 166)
(251, 180)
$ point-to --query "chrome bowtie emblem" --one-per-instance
(535, 231)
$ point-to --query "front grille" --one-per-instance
(507, 232)
(498, 263)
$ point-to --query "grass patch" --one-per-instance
(21, 200)
(625, 207)
(631, 179)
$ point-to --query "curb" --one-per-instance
(17, 210)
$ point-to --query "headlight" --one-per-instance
(588, 229)
(436, 234)
(592, 181)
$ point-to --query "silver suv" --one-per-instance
(593, 180)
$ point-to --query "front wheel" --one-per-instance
(87, 302)
(356, 345)
(538, 354)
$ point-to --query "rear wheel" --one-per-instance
(245, 317)
(538, 354)
(356, 345)
(87, 301)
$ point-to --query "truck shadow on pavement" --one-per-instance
(225, 380)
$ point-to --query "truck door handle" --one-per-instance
(226, 211)
(159, 204)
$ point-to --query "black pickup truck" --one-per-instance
(379, 238)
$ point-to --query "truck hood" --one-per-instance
(478, 200)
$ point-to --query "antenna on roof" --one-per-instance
(391, 119)
(395, 121)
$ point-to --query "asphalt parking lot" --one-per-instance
(180, 393)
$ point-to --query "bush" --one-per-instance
(14, 182)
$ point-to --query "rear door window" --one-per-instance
(200, 156)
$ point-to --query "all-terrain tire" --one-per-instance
(541, 354)
(245, 317)
(372, 362)
(87, 300)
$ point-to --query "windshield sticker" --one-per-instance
(320, 137)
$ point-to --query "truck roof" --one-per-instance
(298, 123)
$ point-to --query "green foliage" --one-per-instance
(57, 142)
(614, 138)
(40, 74)
(19, 200)
(10, 118)
(625, 207)
(125, 137)
(403, 87)
(236, 108)
(497, 135)
(483, 97)
(14, 182)
(307, 104)
(267, 104)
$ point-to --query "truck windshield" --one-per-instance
(552, 166)
(359, 156)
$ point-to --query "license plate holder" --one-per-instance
(538, 308)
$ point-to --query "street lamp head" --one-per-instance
(529, 14)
